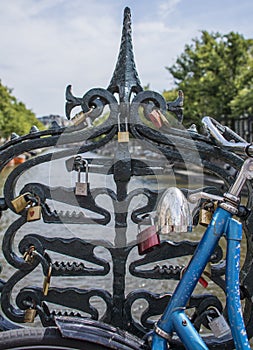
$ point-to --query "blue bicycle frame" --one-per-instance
(174, 318)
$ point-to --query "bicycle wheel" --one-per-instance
(96, 337)
(41, 339)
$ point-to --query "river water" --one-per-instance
(55, 175)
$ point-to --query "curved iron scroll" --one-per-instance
(173, 149)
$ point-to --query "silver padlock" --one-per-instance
(81, 188)
(218, 325)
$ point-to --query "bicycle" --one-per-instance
(174, 318)
(174, 327)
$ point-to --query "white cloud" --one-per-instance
(41, 54)
(167, 7)
(46, 45)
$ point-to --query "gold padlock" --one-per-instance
(19, 203)
(123, 136)
(30, 315)
(34, 212)
(81, 117)
(206, 212)
(29, 254)
(205, 217)
(47, 280)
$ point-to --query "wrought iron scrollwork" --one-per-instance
(171, 147)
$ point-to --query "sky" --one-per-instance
(46, 45)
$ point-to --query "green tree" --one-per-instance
(212, 73)
(242, 104)
(14, 116)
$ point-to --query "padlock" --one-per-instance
(123, 136)
(218, 325)
(29, 254)
(81, 117)
(30, 315)
(19, 203)
(203, 282)
(81, 188)
(205, 217)
(164, 120)
(206, 212)
(47, 280)
(155, 118)
(147, 239)
(34, 211)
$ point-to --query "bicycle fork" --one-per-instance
(234, 236)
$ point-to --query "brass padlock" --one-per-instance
(30, 315)
(81, 117)
(206, 212)
(148, 238)
(34, 211)
(81, 188)
(205, 217)
(123, 136)
(29, 254)
(19, 203)
(47, 280)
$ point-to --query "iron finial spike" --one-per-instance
(125, 79)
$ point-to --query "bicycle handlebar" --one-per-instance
(220, 133)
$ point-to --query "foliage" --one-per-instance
(216, 76)
(14, 116)
(242, 104)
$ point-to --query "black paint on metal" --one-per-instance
(123, 115)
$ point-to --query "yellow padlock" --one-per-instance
(19, 203)
(123, 136)
(30, 315)
(205, 217)
(81, 117)
(206, 212)
(34, 212)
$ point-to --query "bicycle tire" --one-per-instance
(42, 339)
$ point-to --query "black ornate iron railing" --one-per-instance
(132, 115)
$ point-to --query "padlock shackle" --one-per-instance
(144, 222)
(81, 162)
(79, 174)
(126, 123)
(33, 199)
(216, 310)
(85, 161)
(119, 124)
